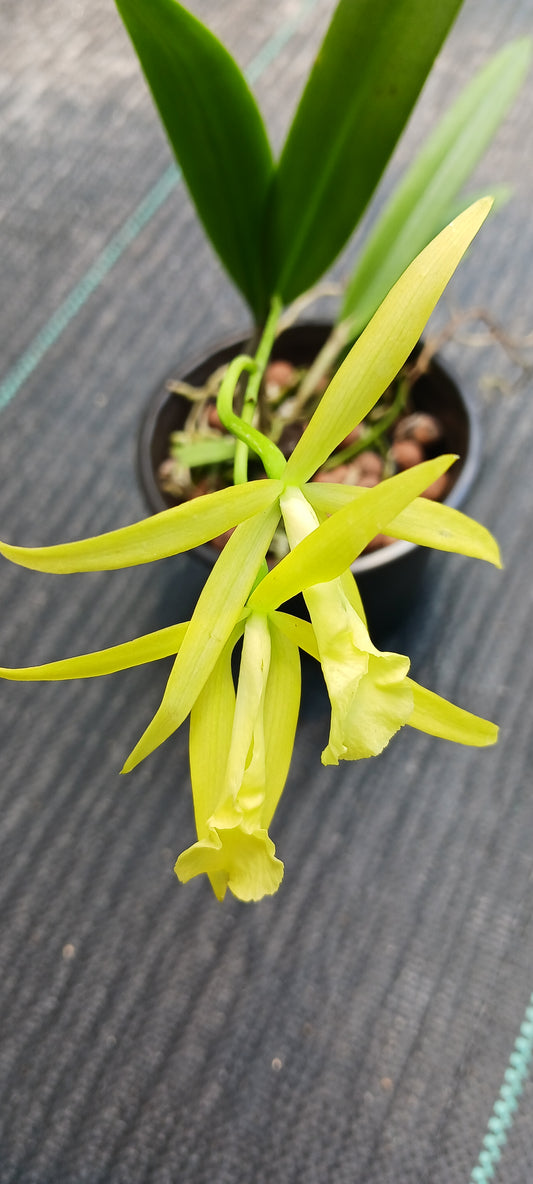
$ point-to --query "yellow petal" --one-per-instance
(297, 630)
(210, 737)
(245, 771)
(232, 858)
(436, 715)
(380, 705)
(324, 552)
(352, 593)
(280, 715)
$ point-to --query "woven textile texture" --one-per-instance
(356, 1028)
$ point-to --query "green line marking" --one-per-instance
(277, 42)
(506, 1104)
(125, 236)
(79, 295)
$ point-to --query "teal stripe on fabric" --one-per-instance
(116, 247)
(507, 1102)
(79, 295)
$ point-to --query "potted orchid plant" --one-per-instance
(277, 226)
(241, 739)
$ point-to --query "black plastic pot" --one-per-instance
(388, 579)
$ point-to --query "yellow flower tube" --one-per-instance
(240, 752)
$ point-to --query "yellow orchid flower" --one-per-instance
(370, 693)
(241, 745)
(240, 752)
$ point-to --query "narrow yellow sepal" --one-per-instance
(280, 715)
(297, 630)
(150, 647)
(169, 533)
(210, 737)
(428, 523)
(433, 714)
(219, 607)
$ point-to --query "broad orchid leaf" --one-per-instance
(365, 81)
(168, 533)
(216, 131)
(384, 346)
(280, 714)
(420, 204)
(437, 716)
(428, 523)
(217, 611)
(161, 644)
(330, 549)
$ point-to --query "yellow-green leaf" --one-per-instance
(384, 346)
(420, 203)
(168, 533)
(161, 644)
(437, 716)
(428, 523)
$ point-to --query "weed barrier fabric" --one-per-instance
(357, 1027)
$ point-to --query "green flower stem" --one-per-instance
(240, 426)
(271, 456)
(254, 385)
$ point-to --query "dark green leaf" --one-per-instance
(367, 76)
(215, 129)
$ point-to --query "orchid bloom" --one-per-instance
(241, 743)
(370, 692)
(240, 752)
